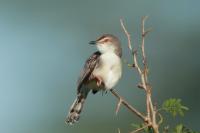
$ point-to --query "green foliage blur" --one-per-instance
(174, 107)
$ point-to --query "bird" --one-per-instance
(102, 71)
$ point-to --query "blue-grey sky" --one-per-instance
(43, 46)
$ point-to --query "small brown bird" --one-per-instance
(102, 71)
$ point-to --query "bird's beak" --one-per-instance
(93, 42)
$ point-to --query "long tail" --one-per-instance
(75, 110)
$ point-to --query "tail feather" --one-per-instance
(75, 110)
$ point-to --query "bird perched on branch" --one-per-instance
(102, 71)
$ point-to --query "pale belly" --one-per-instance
(110, 70)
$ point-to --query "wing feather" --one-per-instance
(89, 66)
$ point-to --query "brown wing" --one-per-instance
(90, 64)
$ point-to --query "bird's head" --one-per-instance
(108, 43)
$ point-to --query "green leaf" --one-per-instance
(180, 128)
(174, 107)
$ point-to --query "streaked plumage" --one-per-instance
(102, 71)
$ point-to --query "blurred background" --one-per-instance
(44, 44)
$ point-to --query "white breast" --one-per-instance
(110, 69)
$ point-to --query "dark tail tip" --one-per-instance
(75, 110)
(72, 118)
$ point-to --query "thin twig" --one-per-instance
(133, 52)
(140, 129)
(125, 103)
(151, 110)
(118, 106)
(161, 119)
(128, 36)
(136, 62)
(119, 130)
(143, 36)
(150, 119)
(144, 60)
(145, 71)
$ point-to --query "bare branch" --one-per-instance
(143, 36)
(140, 129)
(136, 62)
(125, 103)
(144, 33)
(133, 52)
(143, 76)
(161, 119)
(119, 130)
(128, 36)
(118, 106)
(142, 45)
(150, 118)
(151, 110)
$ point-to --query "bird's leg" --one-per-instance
(99, 80)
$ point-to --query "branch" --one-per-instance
(150, 108)
(144, 33)
(119, 130)
(133, 52)
(161, 119)
(128, 36)
(143, 37)
(143, 73)
(125, 103)
(140, 129)
(118, 106)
